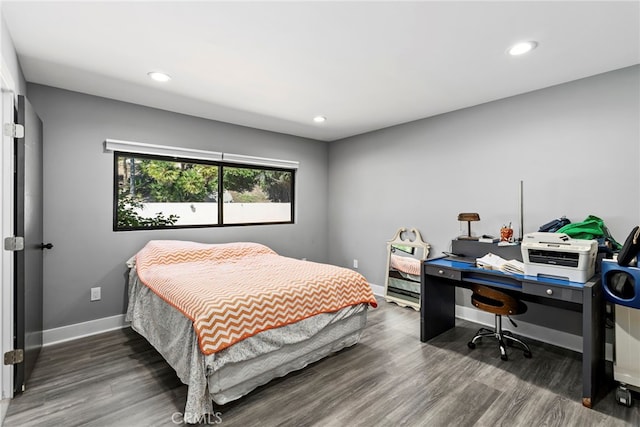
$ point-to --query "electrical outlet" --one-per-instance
(95, 294)
(355, 263)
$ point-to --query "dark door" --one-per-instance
(28, 223)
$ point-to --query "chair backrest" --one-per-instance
(496, 302)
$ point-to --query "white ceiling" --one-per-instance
(365, 65)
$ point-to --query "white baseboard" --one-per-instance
(529, 330)
(536, 332)
(540, 333)
(377, 289)
(84, 329)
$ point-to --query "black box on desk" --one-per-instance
(474, 249)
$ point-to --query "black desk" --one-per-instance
(440, 277)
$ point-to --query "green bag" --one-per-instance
(591, 228)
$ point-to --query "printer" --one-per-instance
(559, 256)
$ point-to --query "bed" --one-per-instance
(231, 317)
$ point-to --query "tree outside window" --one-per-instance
(157, 192)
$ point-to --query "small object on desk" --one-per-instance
(453, 255)
(459, 257)
(485, 238)
(559, 256)
(507, 243)
(506, 233)
(468, 217)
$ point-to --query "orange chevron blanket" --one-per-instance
(233, 291)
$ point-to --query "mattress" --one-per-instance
(233, 372)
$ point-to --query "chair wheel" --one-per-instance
(528, 354)
(504, 357)
(471, 345)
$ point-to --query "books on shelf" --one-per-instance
(494, 262)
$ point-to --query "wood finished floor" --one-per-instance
(390, 378)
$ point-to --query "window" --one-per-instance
(256, 195)
(152, 192)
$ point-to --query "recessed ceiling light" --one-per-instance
(319, 119)
(159, 77)
(522, 48)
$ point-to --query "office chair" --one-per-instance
(500, 304)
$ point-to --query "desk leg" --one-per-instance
(593, 337)
(437, 306)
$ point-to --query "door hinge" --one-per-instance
(14, 356)
(13, 130)
(14, 243)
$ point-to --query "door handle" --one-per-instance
(46, 246)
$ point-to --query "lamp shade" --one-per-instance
(468, 217)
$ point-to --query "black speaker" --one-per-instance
(621, 284)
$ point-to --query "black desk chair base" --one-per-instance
(505, 338)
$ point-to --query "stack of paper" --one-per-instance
(490, 262)
(513, 266)
(494, 262)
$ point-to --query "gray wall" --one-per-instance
(78, 194)
(575, 146)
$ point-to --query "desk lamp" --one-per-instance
(468, 217)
